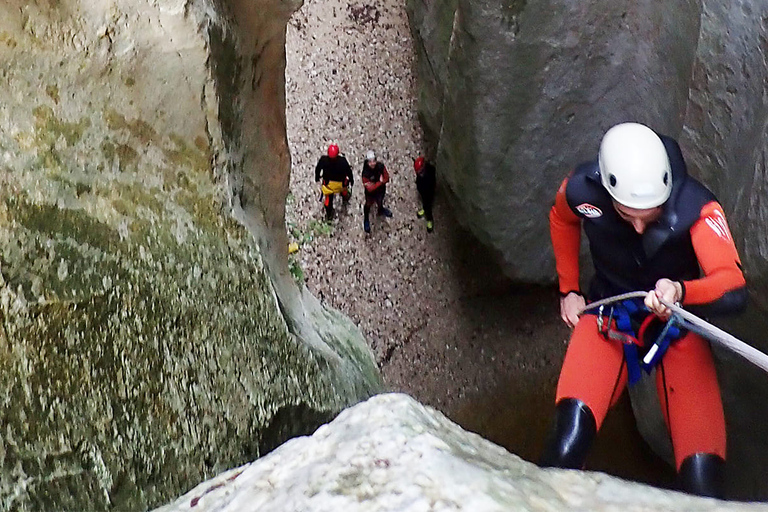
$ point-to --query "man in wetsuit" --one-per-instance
(337, 178)
(650, 227)
(375, 179)
(425, 184)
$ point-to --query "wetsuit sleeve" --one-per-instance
(717, 257)
(565, 230)
(318, 169)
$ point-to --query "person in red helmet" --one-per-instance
(375, 179)
(425, 184)
(336, 174)
(650, 227)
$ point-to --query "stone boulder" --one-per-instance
(151, 332)
(392, 454)
(725, 135)
(517, 93)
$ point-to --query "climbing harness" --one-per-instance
(683, 319)
(623, 325)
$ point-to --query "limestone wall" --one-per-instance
(149, 339)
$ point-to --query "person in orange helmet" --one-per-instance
(650, 227)
(336, 173)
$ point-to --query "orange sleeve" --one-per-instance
(565, 230)
(717, 257)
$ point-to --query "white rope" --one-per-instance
(611, 300)
(699, 326)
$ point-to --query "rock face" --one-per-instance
(726, 124)
(513, 95)
(393, 454)
(148, 338)
(517, 93)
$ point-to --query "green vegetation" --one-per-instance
(314, 229)
(294, 266)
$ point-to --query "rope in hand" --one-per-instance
(697, 325)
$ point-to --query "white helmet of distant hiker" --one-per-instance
(370, 155)
(634, 166)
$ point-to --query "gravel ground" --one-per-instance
(445, 327)
(431, 305)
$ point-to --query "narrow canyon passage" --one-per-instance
(443, 323)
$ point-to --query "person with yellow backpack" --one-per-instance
(337, 178)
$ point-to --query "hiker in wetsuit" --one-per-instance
(375, 179)
(425, 184)
(337, 178)
(650, 227)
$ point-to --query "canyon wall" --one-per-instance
(152, 335)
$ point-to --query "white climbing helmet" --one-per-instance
(634, 166)
(370, 155)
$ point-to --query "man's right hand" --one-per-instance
(570, 307)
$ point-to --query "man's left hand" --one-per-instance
(669, 291)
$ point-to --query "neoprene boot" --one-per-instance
(703, 474)
(572, 435)
(366, 222)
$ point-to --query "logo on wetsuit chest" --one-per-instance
(589, 211)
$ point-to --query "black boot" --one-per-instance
(572, 435)
(703, 474)
(329, 207)
(366, 222)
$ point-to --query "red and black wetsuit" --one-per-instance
(689, 243)
(337, 170)
(375, 181)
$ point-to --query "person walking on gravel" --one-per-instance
(337, 178)
(650, 227)
(425, 184)
(375, 179)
